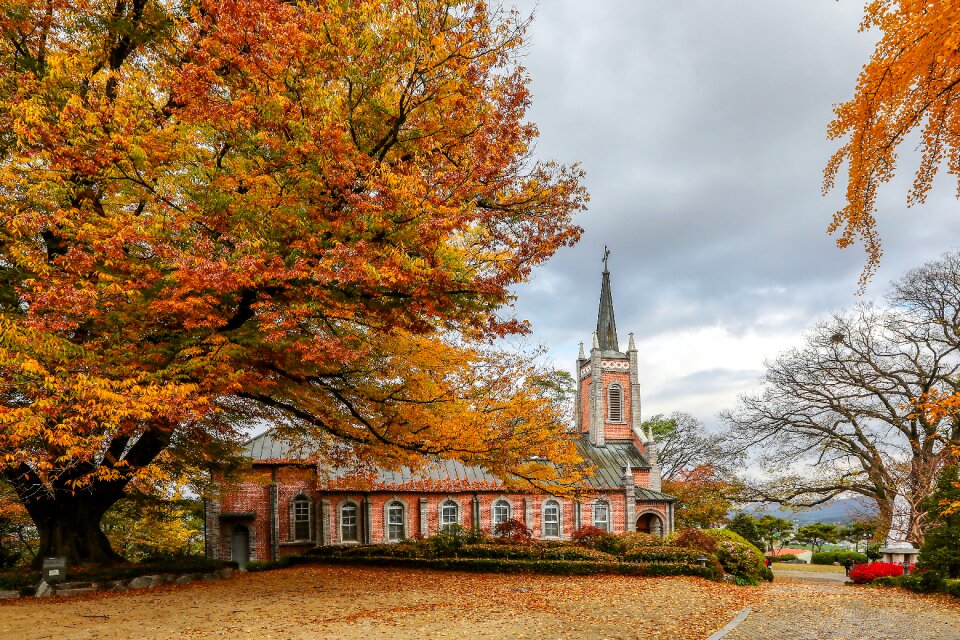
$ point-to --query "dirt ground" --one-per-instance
(368, 603)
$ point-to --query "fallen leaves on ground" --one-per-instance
(353, 603)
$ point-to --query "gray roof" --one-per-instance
(609, 463)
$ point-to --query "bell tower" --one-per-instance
(608, 388)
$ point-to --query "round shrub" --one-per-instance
(665, 554)
(634, 539)
(867, 573)
(588, 535)
(693, 539)
(513, 531)
(732, 536)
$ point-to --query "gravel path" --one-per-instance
(817, 606)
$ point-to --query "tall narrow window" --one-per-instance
(301, 518)
(615, 403)
(349, 532)
(601, 515)
(551, 519)
(501, 513)
(395, 521)
(448, 514)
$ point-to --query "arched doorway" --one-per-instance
(240, 545)
(650, 523)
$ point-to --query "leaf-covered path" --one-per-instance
(820, 607)
(353, 603)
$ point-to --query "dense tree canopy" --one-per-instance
(224, 210)
(910, 84)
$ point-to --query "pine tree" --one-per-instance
(941, 548)
(746, 526)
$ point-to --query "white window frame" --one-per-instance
(499, 503)
(443, 520)
(356, 521)
(391, 508)
(300, 506)
(605, 522)
(547, 505)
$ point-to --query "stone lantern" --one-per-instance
(898, 549)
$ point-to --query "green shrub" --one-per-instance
(577, 553)
(952, 587)
(738, 557)
(610, 543)
(829, 557)
(887, 581)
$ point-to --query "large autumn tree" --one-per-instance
(219, 210)
(910, 84)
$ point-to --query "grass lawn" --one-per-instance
(820, 568)
(353, 603)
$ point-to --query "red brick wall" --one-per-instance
(612, 430)
(585, 404)
(465, 500)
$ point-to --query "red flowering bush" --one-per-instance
(867, 573)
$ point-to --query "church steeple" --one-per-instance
(606, 323)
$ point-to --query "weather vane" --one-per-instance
(606, 256)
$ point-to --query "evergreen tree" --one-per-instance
(941, 547)
(746, 526)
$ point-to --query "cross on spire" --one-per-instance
(606, 324)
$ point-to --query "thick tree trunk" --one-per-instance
(884, 521)
(69, 527)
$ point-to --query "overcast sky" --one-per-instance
(701, 126)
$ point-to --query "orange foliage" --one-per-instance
(912, 81)
(235, 209)
(703, 498)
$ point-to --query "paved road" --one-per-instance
(817, 606)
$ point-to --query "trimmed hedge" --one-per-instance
(829, 557)
(664, 554)
(501, 551)
(577, 553)
(558, 567)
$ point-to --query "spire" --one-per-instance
(596, 343)
(633, 345)
(582, 355)
(606, 324)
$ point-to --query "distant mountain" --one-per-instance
(838, 511)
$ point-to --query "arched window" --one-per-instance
(449, 514)
(615, 403)
(396, 521)
(551, 519)
(500, 514)
(349, 531)
(300, 517)
(601, 515)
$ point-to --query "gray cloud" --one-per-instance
(702, 127)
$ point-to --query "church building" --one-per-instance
(283, 505)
